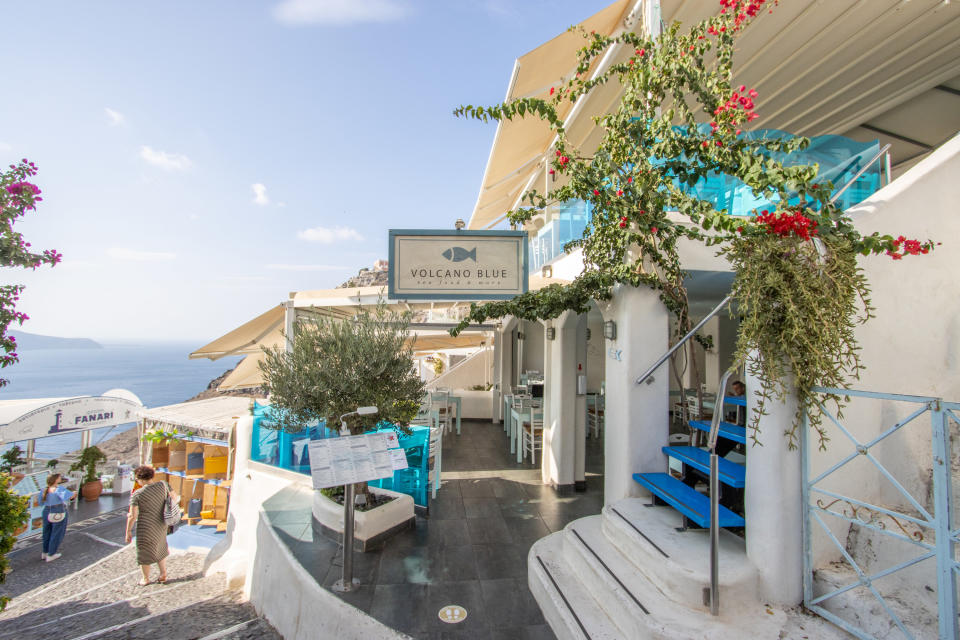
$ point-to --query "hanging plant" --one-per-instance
(680, 120)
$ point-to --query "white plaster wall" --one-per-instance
(912, 346)
(297, 607)
(476, 369)
(595, 352)
(532, 346)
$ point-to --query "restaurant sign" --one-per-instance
(69, 415)
(434, 264)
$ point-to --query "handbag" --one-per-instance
(195, 505)
(171, 513)
(59, 515)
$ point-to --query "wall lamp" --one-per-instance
(547, 271)
(610, 330)
(551, 333)
(588, 333)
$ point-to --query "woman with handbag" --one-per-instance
(146, 510)
(54, 499)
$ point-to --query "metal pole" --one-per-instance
(683, 340)
(857, 175)
(888, 168)
(715, 529)
(346, 580)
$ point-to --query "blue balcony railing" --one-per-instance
(839, 160)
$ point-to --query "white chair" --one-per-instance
(595, 419)
(531, 434)
(440, 401)
(436, 456)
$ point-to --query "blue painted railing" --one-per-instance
(833, 502)
(839, 159)
(285, 450)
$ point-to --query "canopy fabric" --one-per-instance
(212, 418)
(247, 374)
(883, 69)
(264, 330)
(519, 145)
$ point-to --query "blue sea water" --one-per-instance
(158, 373)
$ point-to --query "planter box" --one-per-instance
(371, 528)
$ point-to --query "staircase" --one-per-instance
(643, 570)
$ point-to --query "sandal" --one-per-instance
(143, 582)
(162, 579)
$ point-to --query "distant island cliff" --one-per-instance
(32, 341)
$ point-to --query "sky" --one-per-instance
(199, 160)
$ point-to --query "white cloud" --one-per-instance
(135, 255)
(308, 267)
(338, 12)
(325, 235)
(115, 117)
(164, 160)
(260, 194)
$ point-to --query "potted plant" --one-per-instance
(334, 367)
(90, 457)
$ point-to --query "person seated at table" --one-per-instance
(738, 415)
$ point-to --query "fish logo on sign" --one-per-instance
(459, 254)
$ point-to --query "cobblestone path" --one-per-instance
(94, 594)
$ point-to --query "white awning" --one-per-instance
(883, 69)
(42, 417)
(213, 418)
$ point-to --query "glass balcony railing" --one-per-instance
(567, 222)
(839, 160)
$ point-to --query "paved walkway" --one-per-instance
(92, 592)
(471, 550)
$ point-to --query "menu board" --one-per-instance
(352, 459)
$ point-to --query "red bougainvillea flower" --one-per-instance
(596, 192)
(653, 229)
(619, 192)
(552, 172)
(551, 90)
(629, 178)
(788, 223)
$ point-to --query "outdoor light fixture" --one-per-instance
(361, 411)
(519, 335)
(459, 224)
(588, 333)
(547, 271)
(551, 333)
(610, 330)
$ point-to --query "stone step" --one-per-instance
(639, 608)
(567, 606)
(678, 562)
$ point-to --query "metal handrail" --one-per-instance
(683, 340)
(715, 495)
(863, 170)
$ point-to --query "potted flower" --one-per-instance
(334, 367)
(90, 457)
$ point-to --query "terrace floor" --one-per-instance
(471, 550)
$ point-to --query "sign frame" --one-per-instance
(458, 233)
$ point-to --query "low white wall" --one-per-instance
(476, 405)
(297, 607)
(476, 369)
(252, 484)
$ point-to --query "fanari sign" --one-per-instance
(438, 264)
(72, 414)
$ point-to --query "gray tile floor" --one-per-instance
(470, 551)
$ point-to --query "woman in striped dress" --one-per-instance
(146, 510)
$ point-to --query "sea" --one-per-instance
(159, 373)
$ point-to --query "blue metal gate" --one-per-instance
(932, 530)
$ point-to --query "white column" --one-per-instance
(494, 376)
(773, 503)
(505, 371)
(289, 324)
(560, 404)
(637, 420)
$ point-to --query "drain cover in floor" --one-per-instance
(453, 614)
